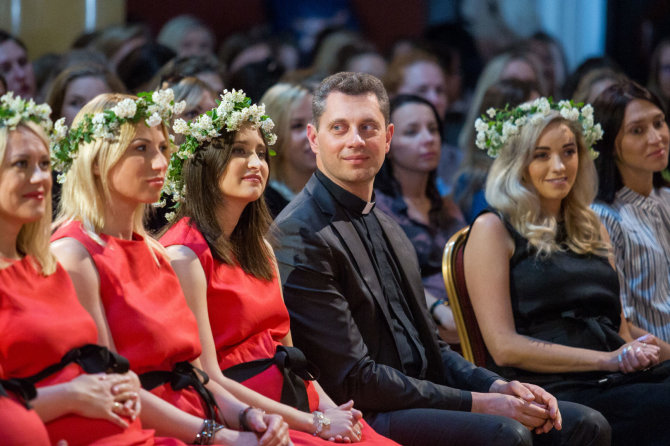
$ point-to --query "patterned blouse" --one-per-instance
(428, 241)
(639, 227)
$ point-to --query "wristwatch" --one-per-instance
(320, 421)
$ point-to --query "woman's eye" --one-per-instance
(636, 130)
(297, 126)
(141, 148)
(20, 164)
(45, 164)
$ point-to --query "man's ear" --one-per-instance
(312, 133)
(389, 135)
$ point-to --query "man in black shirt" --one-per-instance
(353, 289)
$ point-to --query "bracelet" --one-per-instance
(242, 418)
(435, 305)
(207, 431)
(320, 421)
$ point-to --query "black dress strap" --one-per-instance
(184, 375)
(295, 368)
(92, 358)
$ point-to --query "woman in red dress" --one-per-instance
(229, 275)
(43, 325)
(114, 159)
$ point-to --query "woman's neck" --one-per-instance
(228, 216)
(119, 220)
(641, 182)
(412, 184)
(9, 234)
(293, 178)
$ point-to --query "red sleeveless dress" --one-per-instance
(150, 322)
(248, 319)
(41, 320)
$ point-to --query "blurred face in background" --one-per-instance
(79, 92)
(519, 69)
(426, 79)
(196, 42)
(17, 69)
(416, 142)
(299, 155)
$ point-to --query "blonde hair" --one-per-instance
(508, 190)
(85, 195)
(278, 101)
(33, 238)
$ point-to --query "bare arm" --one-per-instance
(194, 284)
(486, 262)
(76, 260)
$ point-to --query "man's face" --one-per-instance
(351, 141)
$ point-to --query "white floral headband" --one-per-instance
(494, 130)
(153, 108)
(14, 110)
(233, 110)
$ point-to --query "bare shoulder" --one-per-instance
(488, 231)
(70, 251)
(181, 253)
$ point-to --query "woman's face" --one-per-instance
(206, 103)
(17, 69)
(246, 174)
(553, 167)
(426, 79)
(79, 92)
(416, 142)
(196, 42)
(298, 153)
(642, 142)
(139, 174)
(25, 177)
(518, 69)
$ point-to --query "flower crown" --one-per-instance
(14, 110)
(153, 107)
(501, 125)
(233, 110)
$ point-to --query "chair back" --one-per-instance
(453, 272)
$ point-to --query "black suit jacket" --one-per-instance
(339, 319)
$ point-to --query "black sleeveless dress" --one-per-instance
(572, 299)
(564, 298)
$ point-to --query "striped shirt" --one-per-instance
(639, 227)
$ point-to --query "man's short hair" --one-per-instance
(353, 84)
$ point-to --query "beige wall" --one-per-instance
(52, 25)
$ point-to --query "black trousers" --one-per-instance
(427, 427)
(638, 412)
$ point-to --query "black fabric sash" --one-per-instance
(92, 358)
(184, 375)
(294, 366)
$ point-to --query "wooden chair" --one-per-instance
(472, 344)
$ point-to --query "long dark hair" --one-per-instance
(609, 110)
(385, 180)
(246, 245)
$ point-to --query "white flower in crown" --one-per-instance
(60, 129)
(587, 111)
(180, 126)
(154, 120)
(491, 112)
(163, 98)
(125, 109)
(480, 125)
(267, 126)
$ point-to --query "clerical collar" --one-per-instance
(350, 201)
